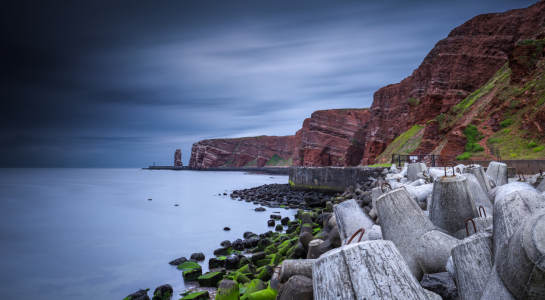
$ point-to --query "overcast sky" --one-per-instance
(125, 83)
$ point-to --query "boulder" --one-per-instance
(228, 290)
(291, 267)
(198, 256)
(296, 288)
(178, 261)
(139, 295)
(335, 237)
(441, 284)
(270, 223)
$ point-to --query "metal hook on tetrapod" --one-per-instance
(452, 166)
(474, 228)
(354, 235)
(484, 211)
(387, 185)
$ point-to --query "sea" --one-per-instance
(106, 233)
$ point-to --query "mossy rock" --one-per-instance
(202, 295)
(279, 227)
(316, 231)
(315, 225)
(138, 295)
(216, 262)
(276, 259)
(240, 278)
(254, 250)
(263, 262)
(255, 285)
(271, 249)
(210, 279)
(228, 290)
(192, 274)
(284, 248)
(188, 265)
(265, 274)
(248, 268)
(266, 294)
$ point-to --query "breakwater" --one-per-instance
(331, 179)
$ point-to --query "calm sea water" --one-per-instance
(93, 234)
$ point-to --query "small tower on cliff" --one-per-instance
(178, 158)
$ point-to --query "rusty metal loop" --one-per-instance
(354, 235)
(387, 185)
(452, 166)
(458, 170)
(474, 228)
(402, 187)
(484, 211)
(471, 163)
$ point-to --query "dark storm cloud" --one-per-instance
(124, 83)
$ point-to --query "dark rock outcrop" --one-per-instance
(178, 158)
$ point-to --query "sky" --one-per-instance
(122, 84)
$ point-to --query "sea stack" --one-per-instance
(178, 158)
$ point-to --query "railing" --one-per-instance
(428, 159)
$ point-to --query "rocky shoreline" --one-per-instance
(402, 230)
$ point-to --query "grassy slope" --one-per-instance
(406, 143)
(516, 101)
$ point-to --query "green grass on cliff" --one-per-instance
(406, 143)
(277, 161)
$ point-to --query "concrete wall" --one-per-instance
(269, 170)
(328, 178)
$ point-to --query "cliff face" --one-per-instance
(454, 68)
(333, 137)
(250, 151)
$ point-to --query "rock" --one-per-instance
(140, 295)
(441, 284)
(178, 158)
(228, 290)
(231, 262)
(270, 223)
(255, 285)
(305, 238)
(248, 234)
(335, 237)
(202, 295)
(332, 222)
(216, 262)
(226, 243)
(192, 274)
(210, 279)
(163, 292)
(296, 288)
(260, 209)
(198, 256)
(285, 220)
(279, 227)
(178, 261)
(226, 228)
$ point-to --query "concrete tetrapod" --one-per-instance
(480, 175)
(541, 186)
(296, 288)
(366, 270)
(498, 172)
(413, 170)
(404, 223)
(452, 203)
(473, 260)
(479, 194)
(375, 193)
(291, 267)
(481, 224)
(521, 263)
(350, 218)
(511, 211)
(503, 190)
(495, 289)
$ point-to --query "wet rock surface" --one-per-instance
(441, 284)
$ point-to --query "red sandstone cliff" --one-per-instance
(250, 151)
(333, 137)
(454, 68)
